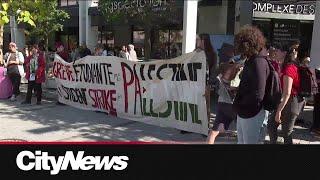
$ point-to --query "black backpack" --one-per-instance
(273, 91)
(308, 82)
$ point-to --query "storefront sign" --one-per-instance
(164, 93)
(126, 5)
(297, 8)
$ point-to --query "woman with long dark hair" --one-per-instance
(290, 105)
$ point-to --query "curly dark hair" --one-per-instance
(249, 41)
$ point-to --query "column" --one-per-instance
(190, 14)
(315, 48)
(17, 35)
(83, 5)
(92, 32)
(246, 12)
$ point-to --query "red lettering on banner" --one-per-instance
(104, 100)
(126, 83)
(69, 73)
(60, 71)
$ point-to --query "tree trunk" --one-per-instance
(147, 43)
(1, 44)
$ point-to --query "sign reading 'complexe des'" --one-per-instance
(304, 9)
(165, 93)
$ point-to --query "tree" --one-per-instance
(14, 8)
(48, 19)
(150, 13)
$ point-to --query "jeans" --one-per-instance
(37, 87)
(15, 80)
(251, 130)
(288, 117)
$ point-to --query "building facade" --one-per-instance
(286, 21)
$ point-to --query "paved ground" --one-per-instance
(51, 122)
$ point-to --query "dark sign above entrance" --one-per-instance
(285, 31)
(303, 7)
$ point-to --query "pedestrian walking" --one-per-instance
(291, 103)
(35, 74)
(14, 64)
(248, 103)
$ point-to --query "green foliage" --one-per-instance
(47, 17)
(15, 8)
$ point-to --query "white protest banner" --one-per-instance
(167, 93)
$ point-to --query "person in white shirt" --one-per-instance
(124, 53)
(132, 53)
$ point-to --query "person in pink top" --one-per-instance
(5, 84)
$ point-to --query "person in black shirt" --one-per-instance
(84, 50)
(248, 105)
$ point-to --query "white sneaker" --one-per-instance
(13, 98)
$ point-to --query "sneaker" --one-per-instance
(25, 102)
(13, 98)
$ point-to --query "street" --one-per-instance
(55, 123)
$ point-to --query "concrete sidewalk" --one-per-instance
(301, 133)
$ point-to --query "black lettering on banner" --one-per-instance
(141, 72)
(163, 66)
(174, 69)
(151, 68)
(75, 95)
(96, 73)
(181, 75)
(193, 69)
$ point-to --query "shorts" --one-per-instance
(225, 115)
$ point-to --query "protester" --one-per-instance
(274, 60)
(226, 53)
(5, 83)
(14, 63)
(84, 50)
(62, 53)
(98, 50)
(124, 53)
(225, 113)
(132, 53)
(291, 103)
(74, 54)
(104, 50)
(35, 74)
(248, 103)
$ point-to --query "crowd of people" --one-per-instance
(14, 66)
(127, 52)
(274, 83)
(259, 86)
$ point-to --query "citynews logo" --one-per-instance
(42, 161)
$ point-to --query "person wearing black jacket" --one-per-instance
(248, 105)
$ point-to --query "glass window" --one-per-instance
(72, 2)
(63, 2)
(68, 2)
